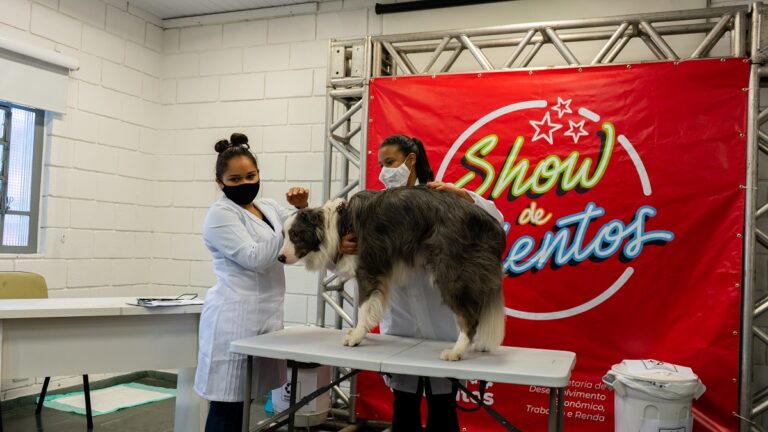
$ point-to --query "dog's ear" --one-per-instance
(311, 217)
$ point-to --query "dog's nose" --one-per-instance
(281, 258)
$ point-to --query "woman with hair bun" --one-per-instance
(244, 235)
(418, 311)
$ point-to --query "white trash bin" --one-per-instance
(653, 396)
(310, 378)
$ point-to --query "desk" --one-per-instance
(60, 337)
(383, 353)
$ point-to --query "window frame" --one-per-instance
(37, 168)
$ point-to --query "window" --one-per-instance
(21, 145)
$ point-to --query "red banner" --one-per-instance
(622, 190)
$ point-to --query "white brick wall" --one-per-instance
(221, 62)
(125, 25)
(201, 38)
(103, 44)
(246, 33)
(266, 58)
(56, 26)
(16, 13)
(92, 12)
(242, 87)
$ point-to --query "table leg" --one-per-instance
(87, 395)
(294, 391)
(552, 410)
(247, 393)
(560, 408)
(1, 368)
(190, 408)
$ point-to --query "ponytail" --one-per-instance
(423, 170)
(408, 145)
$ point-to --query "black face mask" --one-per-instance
(242, 194)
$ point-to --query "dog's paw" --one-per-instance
(353, 338)
(482, 348)
(450, 355)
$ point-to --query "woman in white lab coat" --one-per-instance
(244, 236)
(419, 312)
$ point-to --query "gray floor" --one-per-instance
(153, 417)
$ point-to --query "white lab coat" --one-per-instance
(416, 309)
(247, 299)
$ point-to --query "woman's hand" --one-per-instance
(450, 187)
(348, 245)
(297, 197)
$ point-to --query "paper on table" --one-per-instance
(166, 302)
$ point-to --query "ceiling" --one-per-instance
(165, 9)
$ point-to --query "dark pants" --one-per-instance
(441, 412)
(224, 417)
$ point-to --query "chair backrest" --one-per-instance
(22, 285)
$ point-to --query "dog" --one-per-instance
(458, 244)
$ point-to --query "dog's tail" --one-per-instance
(490, 328)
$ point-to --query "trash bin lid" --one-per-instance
(654, 370)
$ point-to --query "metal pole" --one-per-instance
(652, 46)
(757, 23)
(327, 170)
(712, 37)
(552, 421)
(560, 409)
(531, 54)
(520, 47)
(362, 173)
(247, 393)
(748, 304)
(617, 49)
(561, 47)
(611, 42)
(451, 60)
(585, 36)
(739, 35)
(347, 115)
(658, 40)
(436, 54)
(476, 53)
(683, 15)
(400, 61)
(376, 67)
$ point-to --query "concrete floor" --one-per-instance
(153, 417)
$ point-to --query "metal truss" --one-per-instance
(732, 31)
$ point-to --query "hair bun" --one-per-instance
(222, 145)
(236, 140)
(239, 139)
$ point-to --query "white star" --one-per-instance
(575, 133)
(551, 126)
(562, 107)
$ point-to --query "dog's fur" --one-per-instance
(458, 244)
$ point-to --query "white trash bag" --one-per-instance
(652, 395)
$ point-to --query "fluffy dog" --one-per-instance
(458, 244)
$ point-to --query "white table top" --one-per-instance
(381, 353)
(324, 346)
(513, 365)
(81, 307)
